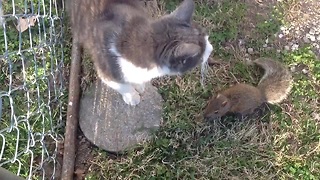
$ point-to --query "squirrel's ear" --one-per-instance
(224, 103)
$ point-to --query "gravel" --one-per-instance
(304, 27)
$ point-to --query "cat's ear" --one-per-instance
(187, 50)
(184, 11)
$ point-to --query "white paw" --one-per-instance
(131, 98)
(139, 87)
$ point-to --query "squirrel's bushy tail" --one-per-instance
(276, 82)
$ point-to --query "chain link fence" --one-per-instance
(32, 87)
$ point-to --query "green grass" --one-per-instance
(298, 145)
(283, 144)
(33, 98)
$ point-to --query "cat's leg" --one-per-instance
(128, 92)
(139, 87)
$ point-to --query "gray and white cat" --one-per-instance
(129, 47)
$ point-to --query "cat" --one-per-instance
(129, 48)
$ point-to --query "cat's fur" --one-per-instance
(129, 48)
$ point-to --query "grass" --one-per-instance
(32, 91)
(282, 144)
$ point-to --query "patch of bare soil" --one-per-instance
(84, 156)
(303, 24)
(304, 16)
(49, 168)
(257, 11)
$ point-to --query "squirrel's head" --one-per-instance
(217, 106)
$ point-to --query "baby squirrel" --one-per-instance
(243, 99)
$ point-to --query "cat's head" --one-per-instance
(181, 43)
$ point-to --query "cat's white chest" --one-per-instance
(138, 75)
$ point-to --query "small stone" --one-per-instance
(298, 32)
(316, 116)
(109, 123)
(287, 48)
(312, 31)
(250, 50)
(312, 37)
(315, 45)
(280, 36)
(265, 45)
(294, 47)
(306, 40)
(282, 28)
(241, 42)
(318, 37)
(305, 71)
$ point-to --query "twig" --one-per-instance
(72, 114)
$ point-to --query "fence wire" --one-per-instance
(32, 89)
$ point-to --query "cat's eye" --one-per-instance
(216, 112)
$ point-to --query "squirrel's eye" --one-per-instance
(216, 112)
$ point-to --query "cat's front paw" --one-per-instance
(132, 99)
(140, 88)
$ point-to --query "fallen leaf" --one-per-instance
(23, 23)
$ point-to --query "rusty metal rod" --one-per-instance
(72, 113)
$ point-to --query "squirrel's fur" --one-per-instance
(243, 99)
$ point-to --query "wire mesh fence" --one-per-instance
(32, 87)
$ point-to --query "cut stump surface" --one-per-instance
(114, 126)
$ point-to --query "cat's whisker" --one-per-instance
(204, 70)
